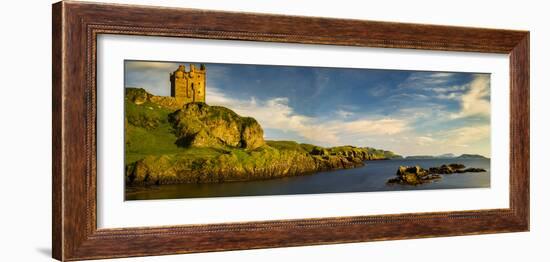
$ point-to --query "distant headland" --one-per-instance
(448, 156)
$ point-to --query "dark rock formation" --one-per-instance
(415, 175)
(453, 169)
(473, 170)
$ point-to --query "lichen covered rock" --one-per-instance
(198, 124)
(265, 162)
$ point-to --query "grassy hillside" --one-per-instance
(208, 144)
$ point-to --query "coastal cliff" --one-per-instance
(198, 143)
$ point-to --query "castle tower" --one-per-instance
(188, 87)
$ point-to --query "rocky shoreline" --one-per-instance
(198, 143)
(275, 163)
(416, 175)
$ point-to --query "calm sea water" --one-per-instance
(369, 178)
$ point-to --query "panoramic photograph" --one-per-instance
(195, 130)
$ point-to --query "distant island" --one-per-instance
(472, 156)
(170, 142)
(448, 156)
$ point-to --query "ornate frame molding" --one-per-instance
(76, 26)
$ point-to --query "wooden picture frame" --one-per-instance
(76, 26)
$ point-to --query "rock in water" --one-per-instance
(474, 170)
(412, 175)
(415, 175)
(456, 166)
(454, 169)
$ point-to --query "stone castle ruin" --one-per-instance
(185, 87)
(188, 87)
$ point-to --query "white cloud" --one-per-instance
(378, 90)
(465, 136)
(424, 112)
(385, 126)
(474, 101)
(277, 114)
(343, 113)
(461, 140)
(438, 83)
(455, 88)
(392, 133)
(449, 96)
(146, 65)
(424, 140)
(408, 96)
(424, 80)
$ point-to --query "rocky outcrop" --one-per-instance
(416, 175)
(168, 143)
(265, 162)
(200, 125)
(472, 170)
(139, 96)
(413, 175)
(454, 169)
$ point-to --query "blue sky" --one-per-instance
(408, 112)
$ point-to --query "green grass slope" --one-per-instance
(218, 146)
